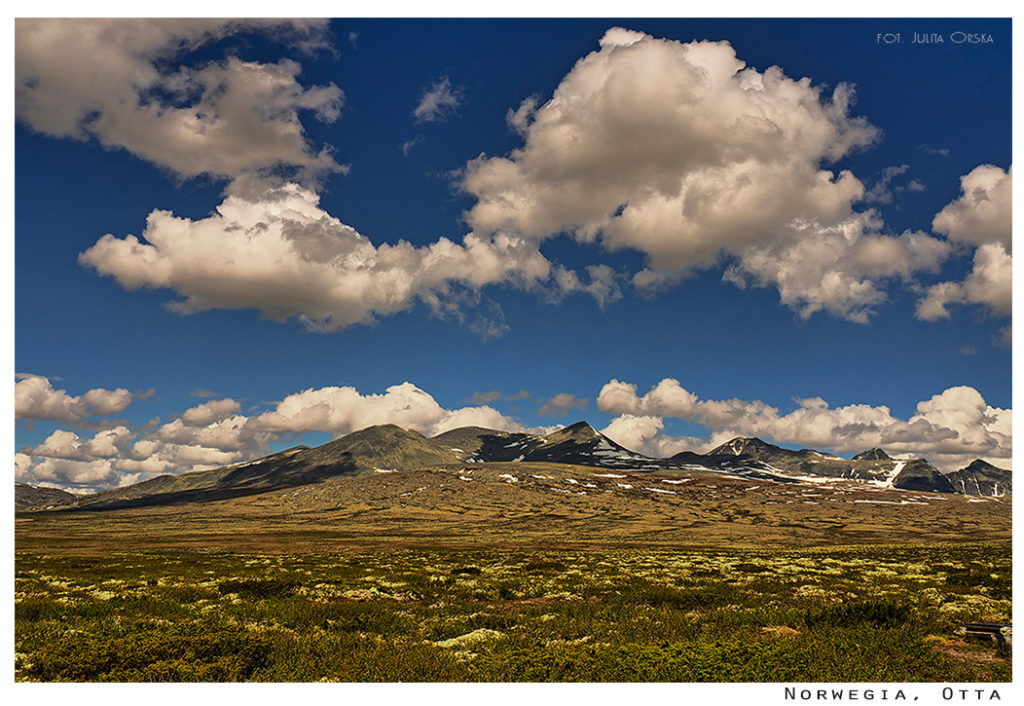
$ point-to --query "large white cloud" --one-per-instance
(109, 79)
(982, 212)
(990, 283)
(341, 410)
(683, 153)
(951, 429)
(35, 398)
(980, 216)
(210, 412)
(282, 254)
(676, 150)
(644, 434)
(269, 246)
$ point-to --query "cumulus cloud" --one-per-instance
(209, 412)
(990, 283)
(981, 217)
(281, 254)
(644, 435)
(683, 153)
(35, 398)
(439, 103)
(838, 269)
(229, 118)
(676, 150)
(342, 410)
(982, 212)
(951, 429)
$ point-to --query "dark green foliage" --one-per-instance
(865, 614)
(980, 575)
(870, 612)
(258, 589)
(181, 652)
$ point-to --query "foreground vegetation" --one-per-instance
(853, 614)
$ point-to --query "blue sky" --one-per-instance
(511, 223)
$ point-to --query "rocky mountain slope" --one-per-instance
(29, 497)
(389, 448)
(759, 459)
(981, 478)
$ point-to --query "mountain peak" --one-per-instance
(742, 445)
(978, 465)
(875, 454)
(578, 431)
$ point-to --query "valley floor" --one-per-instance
(530, 505)
(848, 614)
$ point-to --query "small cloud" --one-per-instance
(353, 40)
(966, 350)
(492, 325)
(488, 329)
(409, 144)
(143, 394)
(915, 185)
(202, 392)
(882, 191)
(494, 395)
(1004, 337)
(561, 404)
(439, 103)
(938, 151)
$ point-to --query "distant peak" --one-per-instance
(980, 465)
(875, 454)
(384, 429)
(741, 445)
(578, 431)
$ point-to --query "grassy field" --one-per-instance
(527, 505)
(829, 614)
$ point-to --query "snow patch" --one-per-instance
(887, 483)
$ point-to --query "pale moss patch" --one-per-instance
(471, 639)
(368, 594)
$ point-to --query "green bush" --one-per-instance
(258, 589)
(176, 652)
(880, 613)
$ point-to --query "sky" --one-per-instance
(232, 237)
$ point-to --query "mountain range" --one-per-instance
(389, 448)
